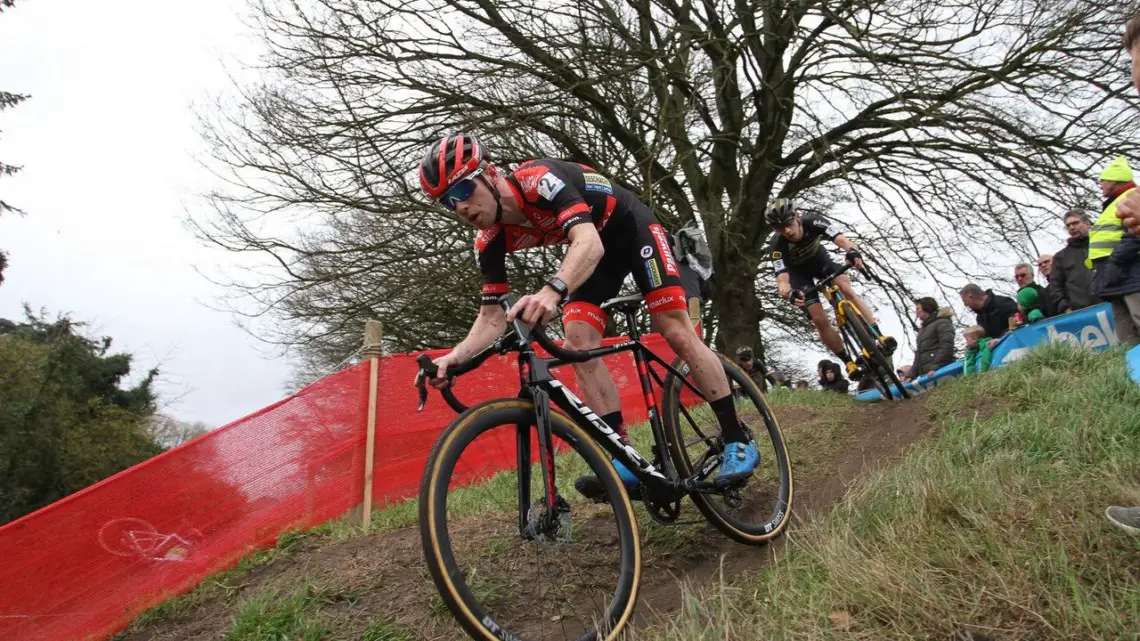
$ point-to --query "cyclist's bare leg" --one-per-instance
(844, 284)
(594, 379)
(601, 395)
(827, 332)
(708, 373)
(704, 366)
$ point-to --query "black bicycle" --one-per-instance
(497, 496)
(856, 333)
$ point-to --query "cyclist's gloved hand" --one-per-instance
(855, 258)
(797, 297)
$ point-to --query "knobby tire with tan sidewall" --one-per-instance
(883, 371)
(671, 418)
(449, 578)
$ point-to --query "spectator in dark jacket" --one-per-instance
(1023, 274)
(831, 377)
(992, 311)
(935, 345)
(1069, 281)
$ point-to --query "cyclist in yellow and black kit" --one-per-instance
(800, 258)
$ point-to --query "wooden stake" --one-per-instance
(373, 332)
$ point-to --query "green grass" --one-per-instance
(270, 616)
(991, 529)
(309, 613)
(381, 630)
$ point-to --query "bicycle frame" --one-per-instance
(539, 385)
(842, 307)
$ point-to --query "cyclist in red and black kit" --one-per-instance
(610, 234)
(800, 258)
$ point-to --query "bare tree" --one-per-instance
(170, 432)
(941, 134)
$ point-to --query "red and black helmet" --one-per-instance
(449, 160)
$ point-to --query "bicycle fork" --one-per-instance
(545, 440)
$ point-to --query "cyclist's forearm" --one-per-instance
(487, 327)
(582, 257)
(842, 242)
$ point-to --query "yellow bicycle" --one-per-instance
(857, 337)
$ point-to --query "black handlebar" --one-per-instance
(518, 334)
(825, 281)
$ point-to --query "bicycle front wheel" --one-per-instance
(881, 368)
(508, 567)
(758, 512)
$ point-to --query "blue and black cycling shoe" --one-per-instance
(590, 487)
(740, 461)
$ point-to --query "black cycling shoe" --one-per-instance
(590, 487)
(854, 372)
(889, 344)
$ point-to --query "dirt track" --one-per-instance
(384, 574)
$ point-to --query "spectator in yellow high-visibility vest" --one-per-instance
(1114, 254)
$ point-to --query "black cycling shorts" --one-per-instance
(804, 276)
(637, 244)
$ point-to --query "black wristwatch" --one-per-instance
(559, 286)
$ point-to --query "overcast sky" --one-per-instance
(107, 142)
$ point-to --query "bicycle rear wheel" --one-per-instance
(760, 510)
(881, 368)
(504, 565)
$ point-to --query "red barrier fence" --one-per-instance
(83, 567)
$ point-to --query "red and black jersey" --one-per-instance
(555, 195)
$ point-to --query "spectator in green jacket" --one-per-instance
(978, 354)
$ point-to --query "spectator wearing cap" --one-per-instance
(1023, 274)
(1114, 254)
(1028, 306)
(934, 346)
(831, 377)
(748, 363)
(1070, 288)
(991, 311)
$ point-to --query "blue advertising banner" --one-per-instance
(1132, 359)
(1091, 327)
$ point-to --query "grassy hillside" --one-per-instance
(992, 528)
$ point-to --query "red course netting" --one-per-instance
(83, 567)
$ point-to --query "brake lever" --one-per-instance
(427, 368)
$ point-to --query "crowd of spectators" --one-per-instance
(1100, 262)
